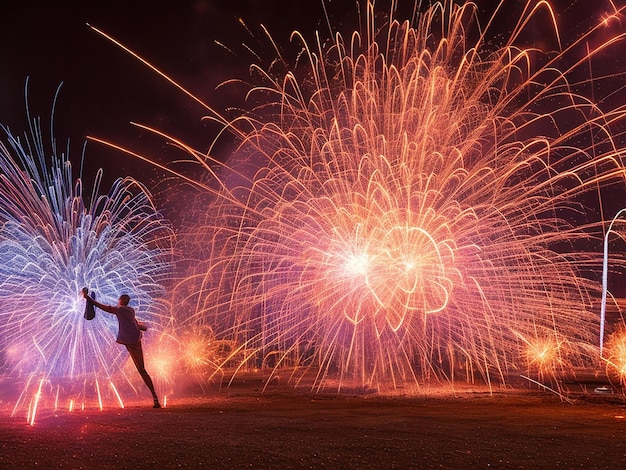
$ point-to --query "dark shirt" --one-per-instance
(128, 332)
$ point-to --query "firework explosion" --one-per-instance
(421, 205)
(52, 243)
(421, 202)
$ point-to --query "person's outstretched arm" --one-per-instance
(106, 308)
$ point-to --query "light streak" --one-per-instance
(119, 398)
(545, 387)
(99, 395)
(36, 399)
(16, 407)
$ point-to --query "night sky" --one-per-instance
(104, 88)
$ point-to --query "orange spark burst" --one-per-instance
(543, 353)
(414, 202)
(615, 354)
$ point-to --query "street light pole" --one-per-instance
(605, 275)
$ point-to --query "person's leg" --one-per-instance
(136, 353)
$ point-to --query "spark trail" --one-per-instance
(52, 243)
(417, 202)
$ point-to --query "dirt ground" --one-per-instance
(281, 428)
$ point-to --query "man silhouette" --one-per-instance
(129, 334)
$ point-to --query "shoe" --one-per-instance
(156, 405)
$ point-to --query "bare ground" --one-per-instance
(242, 427)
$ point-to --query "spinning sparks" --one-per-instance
(421, 205)
(51, 245)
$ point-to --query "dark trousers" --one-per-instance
(136, 352)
